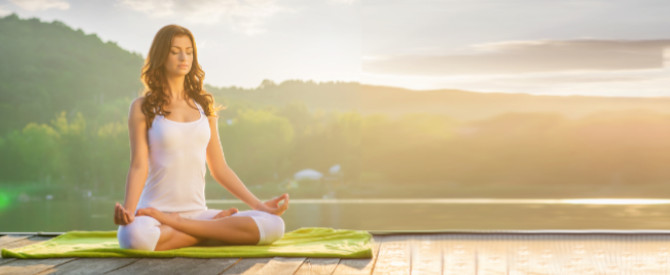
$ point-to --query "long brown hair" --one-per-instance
(155, 82)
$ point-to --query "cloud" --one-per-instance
(153, 8)
(36, 5)
(638, 83)
(513, 57)
(567, 67)
(4, 11)
(342, 2)
(247, 17)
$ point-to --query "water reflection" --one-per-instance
(469, 201)
(378, 214)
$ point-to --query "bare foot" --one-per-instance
(164, 218)
(225, 213)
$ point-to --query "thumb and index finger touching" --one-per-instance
(126, 216)
(283, 197)
(284, 205)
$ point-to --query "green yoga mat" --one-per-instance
(303, 242)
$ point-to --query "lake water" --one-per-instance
(378, 214)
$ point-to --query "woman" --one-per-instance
(164, 204)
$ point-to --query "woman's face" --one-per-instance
(180, 57)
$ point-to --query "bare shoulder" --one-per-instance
(137, 102)
(136, 108)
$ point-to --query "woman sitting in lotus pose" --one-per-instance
(173, 133)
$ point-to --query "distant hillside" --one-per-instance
(462, 105)
(472, 105)
(49, 68)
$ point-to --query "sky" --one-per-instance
(543, 47)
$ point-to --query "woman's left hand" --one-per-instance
(273, 207)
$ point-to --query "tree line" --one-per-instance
(266, 146)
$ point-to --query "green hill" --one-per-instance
(49, 68)
(457, 104)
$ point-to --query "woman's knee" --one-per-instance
(142, 234)
(274, 229)
(271, 227)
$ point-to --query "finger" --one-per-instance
(117, 215)
(122, 215)
(278, 198)
(131, 218)
(284, 200)
(126, 216)
(284, 197)
(119, 219)
(119, 212)
(280, 210)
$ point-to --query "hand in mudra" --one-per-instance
(122, 216)
(273, 207)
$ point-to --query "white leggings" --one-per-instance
(144, 231)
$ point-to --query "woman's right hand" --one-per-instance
(273, 207)
(122, 216)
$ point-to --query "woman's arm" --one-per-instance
(139, 164)
(225, 176)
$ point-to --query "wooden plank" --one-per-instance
(247, 266)
(459, 255)
(530, 255)
(318, 266)
(492, 256)
(14, 241)
(281, 265)
(598, 254)
(394, 255)
(4, 240)
(90, 266)
(3, 261)
(426, 253)
(449, 253)
(26, 241)
(219, 264)
(359, 266)
(31, 266)
(179, 265)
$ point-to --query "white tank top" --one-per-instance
(177, 154)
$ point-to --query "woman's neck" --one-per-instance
(176, 85)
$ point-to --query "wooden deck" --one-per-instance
(416, 253)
